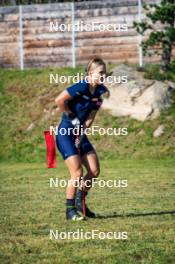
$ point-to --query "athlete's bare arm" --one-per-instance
(61, 101)
(90, 119)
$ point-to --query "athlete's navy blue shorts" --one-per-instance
(66, 143)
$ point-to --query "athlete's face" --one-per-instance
(97, 75)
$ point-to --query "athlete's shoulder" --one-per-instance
(77, 88)
(103, 90)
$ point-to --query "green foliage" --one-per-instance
(161, 39)
(153, 71)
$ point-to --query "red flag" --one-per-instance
(51, 149)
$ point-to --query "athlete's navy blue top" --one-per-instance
(82, 102)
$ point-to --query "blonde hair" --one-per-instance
(92, 64)
(95, 62)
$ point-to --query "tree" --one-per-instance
(163, 37)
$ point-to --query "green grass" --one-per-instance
(153, 71)
(24, 98)
(30, 208)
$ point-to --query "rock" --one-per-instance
(55, 111)
(45, 110)
(141, 132)
(30, 127)
(171, 84)
(50, 112)
(122, 69)
(139, 98)
(159, 131)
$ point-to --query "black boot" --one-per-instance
(81, 205)
(71, 212)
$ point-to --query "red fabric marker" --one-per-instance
(83, 204)
(50, 150)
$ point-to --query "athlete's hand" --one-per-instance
(97, 103)
(75, 122)
(77, 142)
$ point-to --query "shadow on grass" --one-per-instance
(115, 215)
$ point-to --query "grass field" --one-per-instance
(30, 208)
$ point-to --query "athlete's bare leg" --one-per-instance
(91, 162)
(74, 165)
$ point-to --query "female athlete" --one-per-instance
(79, 104)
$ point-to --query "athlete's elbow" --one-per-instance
(59, 103)
(88, 123)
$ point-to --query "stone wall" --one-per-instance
(42, 47)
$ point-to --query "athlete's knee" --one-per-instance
(95, 172)
(77, 173)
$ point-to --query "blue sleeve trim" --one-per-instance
(102, 89)
(75, 89)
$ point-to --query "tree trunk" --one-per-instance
(166, 56)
